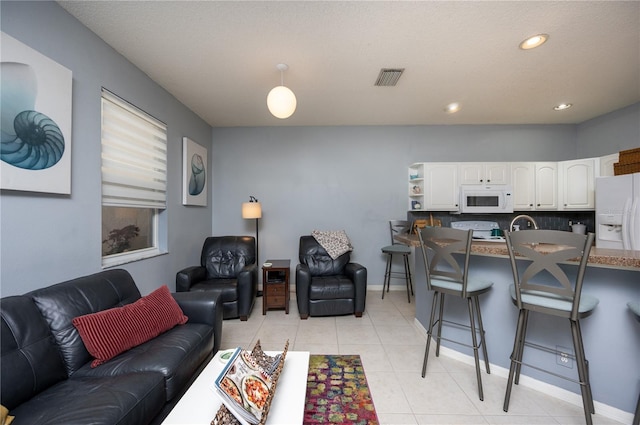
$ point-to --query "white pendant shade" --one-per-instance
(281, 102)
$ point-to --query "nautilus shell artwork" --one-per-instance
(29, 139)
(198, 175)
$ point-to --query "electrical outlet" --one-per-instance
(570, 223)
(564, 356)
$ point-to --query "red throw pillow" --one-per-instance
(110, 332)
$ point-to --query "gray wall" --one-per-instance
(351, 178)
(613, 132)
(45, 239)
(355, 178)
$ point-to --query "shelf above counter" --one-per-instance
(599, 257)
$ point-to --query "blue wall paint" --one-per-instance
(352, 178)
(46, 238)
(610, 133)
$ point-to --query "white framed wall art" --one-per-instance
(194, 173)
(35, 94)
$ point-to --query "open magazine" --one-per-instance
(244, 386)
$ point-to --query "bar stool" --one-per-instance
(447, 275)
(553, 293)
(397, 227)
(635, 308)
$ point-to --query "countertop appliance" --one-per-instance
(618, 212)
(486, 199)
(482, 230)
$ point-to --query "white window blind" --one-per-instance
(134, 156)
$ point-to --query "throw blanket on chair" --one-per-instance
(335, 242)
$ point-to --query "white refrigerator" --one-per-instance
(618, 212)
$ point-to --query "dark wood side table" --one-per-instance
(275, 285)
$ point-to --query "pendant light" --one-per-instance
(281, 101)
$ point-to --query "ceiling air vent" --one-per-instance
(389, 77)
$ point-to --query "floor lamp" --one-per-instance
(253, 209)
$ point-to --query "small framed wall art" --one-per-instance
(35, 95)
(194, 173)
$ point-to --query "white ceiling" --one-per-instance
(219, 58)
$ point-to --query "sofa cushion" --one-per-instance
(60, 303)
(30, 361)
(131, 399)
(176, 354)
(331, 288)
(110, 332)
(228, 288)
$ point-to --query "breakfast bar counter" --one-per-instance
(599, 257)
(611, 334)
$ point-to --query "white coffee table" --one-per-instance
(200, 403)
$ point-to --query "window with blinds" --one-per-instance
(134, 180)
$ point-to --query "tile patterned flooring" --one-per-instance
(392, 348)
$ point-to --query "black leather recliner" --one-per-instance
(328, 287)
(227, 265)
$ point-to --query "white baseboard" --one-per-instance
(371, 287)
(535, 384)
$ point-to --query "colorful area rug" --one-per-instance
(337, 392)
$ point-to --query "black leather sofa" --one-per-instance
(227, 265)
(327, 286)
(46, 373)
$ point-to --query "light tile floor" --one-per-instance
(392, 349)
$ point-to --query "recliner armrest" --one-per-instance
(303, 282)
(358, 274)
(247, 289)
(186, 278)
(203, 307)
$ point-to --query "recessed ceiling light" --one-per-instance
(534, 41)
(452, 108)
(562, 106)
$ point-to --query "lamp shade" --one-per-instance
(281, 102)
(251, 210)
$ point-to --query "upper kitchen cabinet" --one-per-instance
(577, 184)
(546, 185)
(523, 179)
(606, 164)
(416, 187)
(433, 186)
(484, 173)
(535, 185)
(441, 186)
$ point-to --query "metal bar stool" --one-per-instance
(635, 308)
(447, 275)
(553, 292)
(397, 227)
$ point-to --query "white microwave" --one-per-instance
(486, 199)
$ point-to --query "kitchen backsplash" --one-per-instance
(555, 220)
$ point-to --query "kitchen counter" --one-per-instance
(599, 257)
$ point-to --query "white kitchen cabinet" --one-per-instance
(441, 186)
(523, 182)
(546, 186)
(577, 184)
(606, 164)
(416, 187)
(484, 173)
(534, 185)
